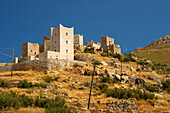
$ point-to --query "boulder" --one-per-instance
(83, 58)
(109, 73)
(135, 80)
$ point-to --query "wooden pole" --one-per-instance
(121, 64)
(91, 87)
(12, 61)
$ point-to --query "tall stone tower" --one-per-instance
(106, 41)
(62, 41)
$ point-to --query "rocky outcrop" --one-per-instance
(123, 106)
(83, 58)
(154, 78)
(162, 40)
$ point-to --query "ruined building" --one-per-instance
(92, 44)
(78, 43)
(107, 43)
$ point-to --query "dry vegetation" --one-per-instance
(71, 84)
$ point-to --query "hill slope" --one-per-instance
(157, 51)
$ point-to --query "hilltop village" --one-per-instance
(63, 43)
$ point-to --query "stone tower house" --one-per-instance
(46, 41)
(29, 49)
(62, 41)
(107, 43)
(78, 43)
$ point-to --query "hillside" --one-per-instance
(158, 51)
(131, 91)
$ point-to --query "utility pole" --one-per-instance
(121, 64)
(12, 61)
(91, 85)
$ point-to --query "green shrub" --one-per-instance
(87, 84)
(56, 78)
(166, 85)
(75, 65)
(151, 88)
(48, 79)
(125, 94)
(26, 84)
(3, 83)
(56, 105)
(96, 62)
(87, 50)
(8, 100)
(103, 87)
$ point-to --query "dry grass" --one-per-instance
(160, 53)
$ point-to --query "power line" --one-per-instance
(5, 54)
(5, 48)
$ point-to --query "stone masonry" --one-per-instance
(29, 49)
(107, 43)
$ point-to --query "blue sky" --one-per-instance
(132, 23)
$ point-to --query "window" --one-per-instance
(35, 53)
(31, 50)
(55, 34)
(66, 34)
(55, 42)
(66, 42)
(66, 51)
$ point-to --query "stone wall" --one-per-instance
(47, 65)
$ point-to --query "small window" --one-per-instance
(66, 34)
(55, 42)
(66, 51)
(31, 50)
(35, 53)
(55, 34)
(66, 42)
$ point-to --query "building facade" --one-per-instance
(29, 49)
(78, 43)
(107, 43)
(92, 44)
(62, 41)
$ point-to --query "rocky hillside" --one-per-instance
(158, 51)
(162, 40)
(137, 89)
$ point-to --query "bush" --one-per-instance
(151, 88)
(48, 79)
(56, 105)
(56, 78)
(96, 62)
(103, 87)
(166, 85)
(87, 84)
(26, 84)
(8, 100)
(3, 83)
(125, 94)
(75, 65)
(87, 50)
